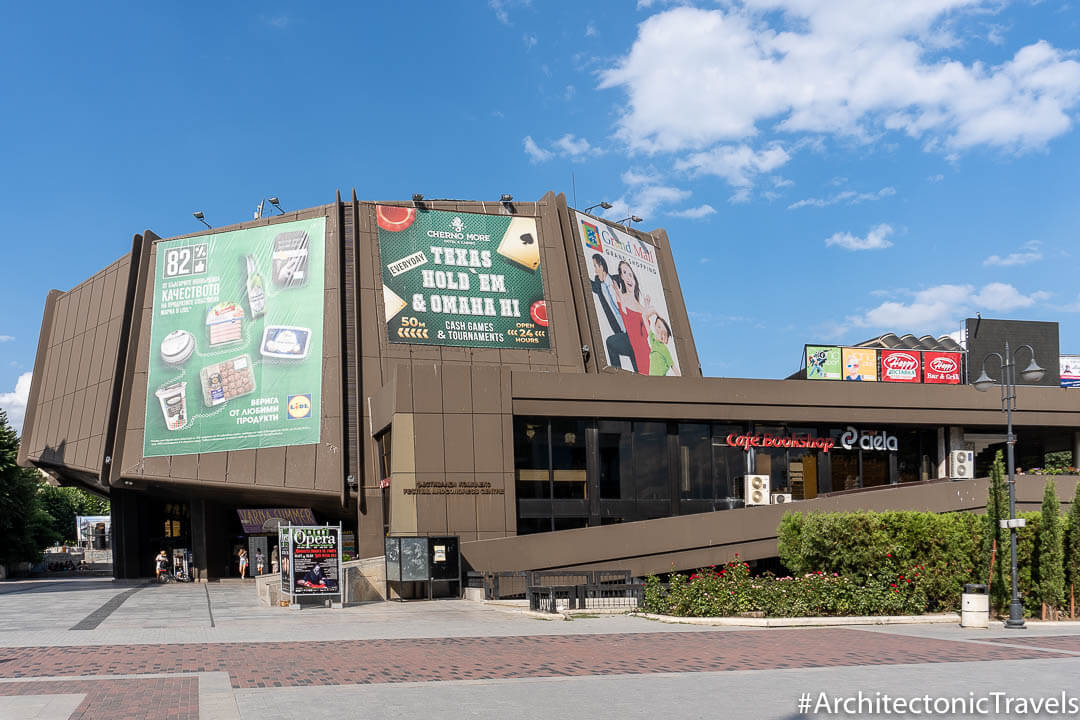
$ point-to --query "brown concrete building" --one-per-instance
(473, 370)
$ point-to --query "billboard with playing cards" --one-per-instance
(461, 279)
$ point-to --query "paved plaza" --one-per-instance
(89, 648)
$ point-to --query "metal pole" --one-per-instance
(1016, 610)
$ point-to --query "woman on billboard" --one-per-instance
(633, 314)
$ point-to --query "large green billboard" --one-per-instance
(236, 341)
(462, 279)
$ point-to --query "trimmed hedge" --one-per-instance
(857, 545)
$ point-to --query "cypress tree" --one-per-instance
(997, 509)
(1051, 566)
(1072, 549)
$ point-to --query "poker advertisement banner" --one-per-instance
(823, 362)
(462, 279)
(236, 341)
(941, 368)
(628, 296)
(315, 565)
(1070, 370)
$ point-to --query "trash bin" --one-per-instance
(975, 607)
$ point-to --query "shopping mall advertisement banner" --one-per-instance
(236, 340)
(901, 366)
(462, 279)
(315, 565)
(628, 294)
(823, 362)
(1070, 370)
(860, 364)
(941, 368)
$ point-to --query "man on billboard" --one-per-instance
(618, 343)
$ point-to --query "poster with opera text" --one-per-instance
(628, 295)
(462, 279)
(236, 340)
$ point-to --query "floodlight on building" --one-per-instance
(199, 216)
(605, 204)
(277, 204)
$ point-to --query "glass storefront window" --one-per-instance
(695, 462)
(651, 461)
(615, 451)
(568, 459)
(531, 459)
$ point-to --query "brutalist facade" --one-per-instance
(497, 371)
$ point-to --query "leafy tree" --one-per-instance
(1051, 559)
(997, 509)
(25, 527)
(1072, 548)
(64, 503)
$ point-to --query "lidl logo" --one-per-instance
(592, 236)
(299, 406)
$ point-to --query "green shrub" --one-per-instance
(853, 545)
(732, 590)
(1051, 569)
(1072, 544)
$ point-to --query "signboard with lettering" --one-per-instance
(901, 366)
(623, 273)
(235, 357)
(941, 368)
(1070, 370)
(823, 362)
(860, 364)
(462, 279)
(315, 565)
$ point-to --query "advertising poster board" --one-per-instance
(860, 364)
(628, 296)
(1070, 370)
(285, 558)
(901, 366)
(236, 341)
(316, 560)
(823, 362)
(942, 368)
(462, 279)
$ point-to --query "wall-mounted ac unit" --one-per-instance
(962, 464)
(781, 498)
(755, 490)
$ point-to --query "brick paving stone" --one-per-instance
(293, 664)
(1068, 643)
(121, 699)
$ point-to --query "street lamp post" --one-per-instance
(1032, 373)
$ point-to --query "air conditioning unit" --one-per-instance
(962, 464)
(781, 498)
(755, 490)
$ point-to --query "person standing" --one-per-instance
(243, 564)
(260, 561)
(161, 566)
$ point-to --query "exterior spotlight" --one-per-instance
(199, 216)
(277, 205)
(631, 219)
(418, 197)
(606, 205)
(506, 198)
(586, 353)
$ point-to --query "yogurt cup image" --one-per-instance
(173, 401)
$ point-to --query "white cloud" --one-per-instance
(936, 178)
(849, 197)
(529, 40)
(943, 306)
(739, 165)
(276, 21)
(1028, 253)
(876, 239)
(6, 338)
(573, 147)
(536, 153)
(590, 30)
(847, 68)
(15, 402)
(697, 213)
(646, 200)
(568, 93)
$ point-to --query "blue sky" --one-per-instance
(826, 170)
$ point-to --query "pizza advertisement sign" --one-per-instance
(901, 366)
(462, 279)
(942, 368)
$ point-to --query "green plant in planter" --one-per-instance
(1051, 556)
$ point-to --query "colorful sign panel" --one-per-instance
(628, 295)
(315, 565)
(1070, 370)
(901, 366)
(284, 548)
(823, 362)
(462, 279)
(860, 364)
(941, 368)
(236, 341)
